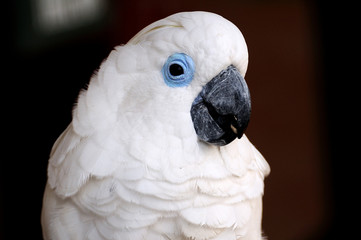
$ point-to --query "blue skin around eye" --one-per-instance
(186, 62)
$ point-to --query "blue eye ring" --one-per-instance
(178, 70)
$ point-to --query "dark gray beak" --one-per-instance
(222, 110)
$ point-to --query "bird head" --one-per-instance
(185, 72)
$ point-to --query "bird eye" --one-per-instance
(178, 70)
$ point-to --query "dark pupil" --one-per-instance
(176, 70)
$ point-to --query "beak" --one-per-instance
(222, 110)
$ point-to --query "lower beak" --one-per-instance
(221, 111)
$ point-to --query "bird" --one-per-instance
(156, 148)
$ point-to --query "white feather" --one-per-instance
(130, 165)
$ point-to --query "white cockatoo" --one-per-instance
(156, 149)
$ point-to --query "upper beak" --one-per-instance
(222, 110)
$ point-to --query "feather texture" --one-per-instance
(130, 165)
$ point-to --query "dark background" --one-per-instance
(301, 76)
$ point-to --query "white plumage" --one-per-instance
(130, 164)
